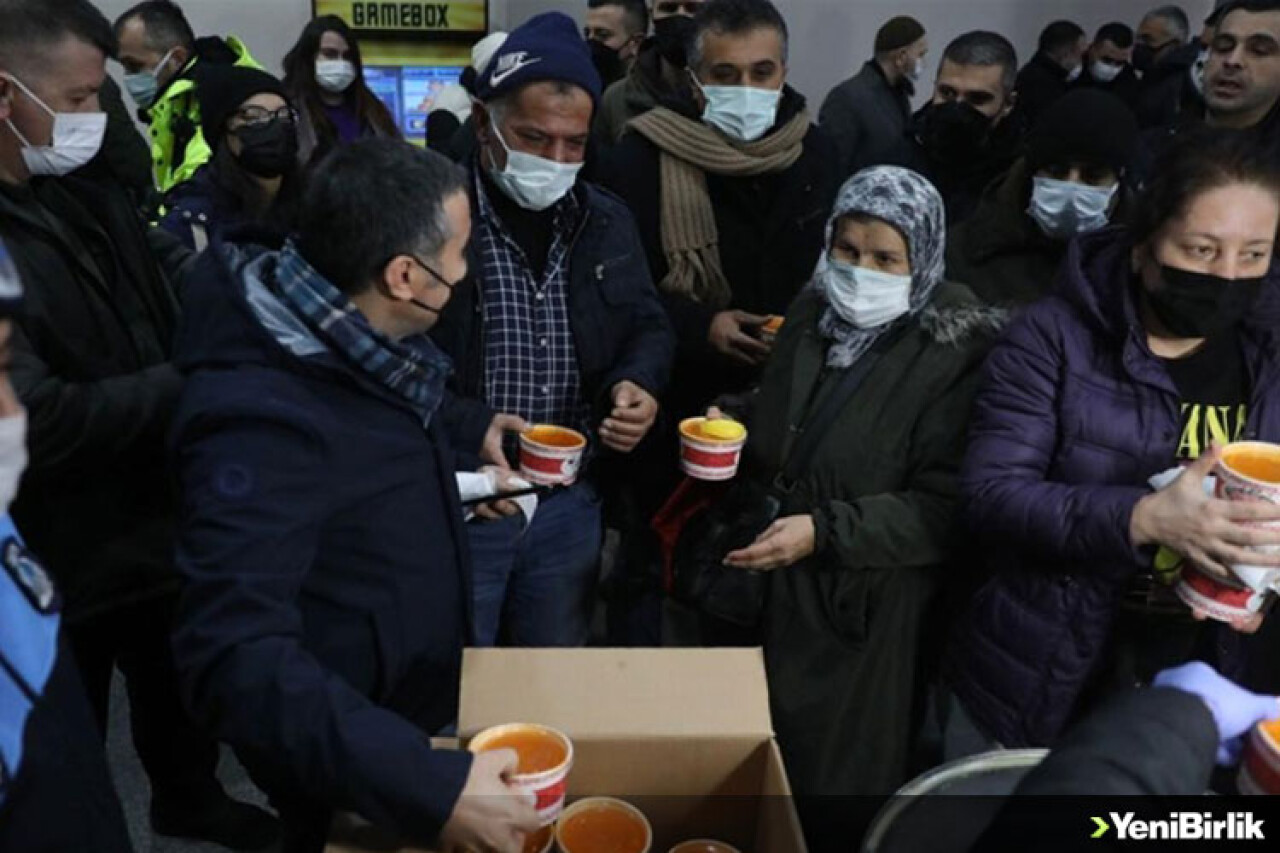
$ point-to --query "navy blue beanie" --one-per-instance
(547, 47)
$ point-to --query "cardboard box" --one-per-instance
(683, 734)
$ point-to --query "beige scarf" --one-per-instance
(690, 149)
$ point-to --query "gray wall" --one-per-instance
(831, 38)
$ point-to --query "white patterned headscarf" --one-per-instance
(908, 202)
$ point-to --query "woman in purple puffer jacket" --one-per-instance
(1160, 343)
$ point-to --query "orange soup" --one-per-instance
(539, 751)
(773, 324)
(602, 829)
(538, 841)
(552, 436)
(1255, 464)
(1272, 730)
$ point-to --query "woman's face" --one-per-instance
(334, 46)
(1228, 232)
(871, 243)
(260, 108)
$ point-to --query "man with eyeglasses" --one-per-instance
(1164, 54)
(91, 362)
(659, 72)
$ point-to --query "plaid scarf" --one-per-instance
(412, 369)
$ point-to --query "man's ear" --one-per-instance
(396, 281)
(480, 116)
(179, 59)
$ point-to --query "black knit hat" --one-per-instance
(1088, 125)
(901, 31)
(222, 89)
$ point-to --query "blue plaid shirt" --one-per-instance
(531, 359)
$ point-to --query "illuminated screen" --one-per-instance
(409, 91)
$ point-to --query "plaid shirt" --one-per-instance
(414, 370)
(531, 359)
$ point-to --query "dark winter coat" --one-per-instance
(1040, 82)
(865, 118)
(1167, 91)
(198, 208)
(845, 630)
(1127, 87)
(1074, 416)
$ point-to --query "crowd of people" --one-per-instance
(248, 353)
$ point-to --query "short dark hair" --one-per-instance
(370, 201)
(985, 48)
(1246, 6)
(635, 12)
(1197, 161)
(1060, 35)
(1175, 17)
(1121, 35)
(32, 26)
(165, 22)
(726, 17)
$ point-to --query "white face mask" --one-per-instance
(743, 113)
(1074, 74)
(1104, 72)
(534, 183)
(1197, 71)
(144, 86)
(917, 70)
(77, 138)
(335, 75)
(864, 297)
(13, 457)
(1064, 209)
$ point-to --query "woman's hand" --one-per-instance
(786, 542)
(1211, 533)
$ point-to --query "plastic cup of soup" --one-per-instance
(1260, 769)
(545, 758)
(541, 841)
(704, 845)
(711, 449)
(551, 455)
(769, 331)
(603, 825)
(1249, 471)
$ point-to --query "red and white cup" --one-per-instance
(713, 456)
(549, 787)
(1260, 768)
(551, 455)
(1238, 478)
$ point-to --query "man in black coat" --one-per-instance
(866, 115)
(91, 364)
(1164, 54)
(1108, 64)
(1057, 64)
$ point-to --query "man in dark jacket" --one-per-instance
(1164, 54)
(559, 324)
(658, 73)
(91, 364)
(328, 597)
(866, 115)
(1068, 183)
(969, 133)
(1058, 63)
(1108, 64)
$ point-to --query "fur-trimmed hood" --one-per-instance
(956, 315)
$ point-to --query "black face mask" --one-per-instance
(1198, 305)
(608, 63)
(431, 272)
(1144, 56)
(953, 133)
(268, 149)
(672, 35)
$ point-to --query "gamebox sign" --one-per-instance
(410, 18)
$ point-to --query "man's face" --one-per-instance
(608, 25)
(1155, 34)
(979, 86)
(1108, 53)
(542, 120)
(669, 8)
(136, 56)
(913, 55)
(753, 59)
(1074, 55)
(66, 78)
(1242, 76)
(450, 265)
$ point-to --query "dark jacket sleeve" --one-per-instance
(1011, 499)
(77, 425)
(840, 121)
(466, 422)
(251, 529)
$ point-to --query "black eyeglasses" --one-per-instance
(261, 115)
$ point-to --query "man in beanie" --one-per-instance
(91, 362)
(866, 116)
(252, 177)
(558, 324)
(1057, 64)
(1068, 183)
(658, 73)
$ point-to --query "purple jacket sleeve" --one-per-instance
(1014, 436)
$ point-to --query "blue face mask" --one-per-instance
(144, 86)
(1064, 209)
(743, 113)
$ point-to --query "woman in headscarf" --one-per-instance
(855, 559)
